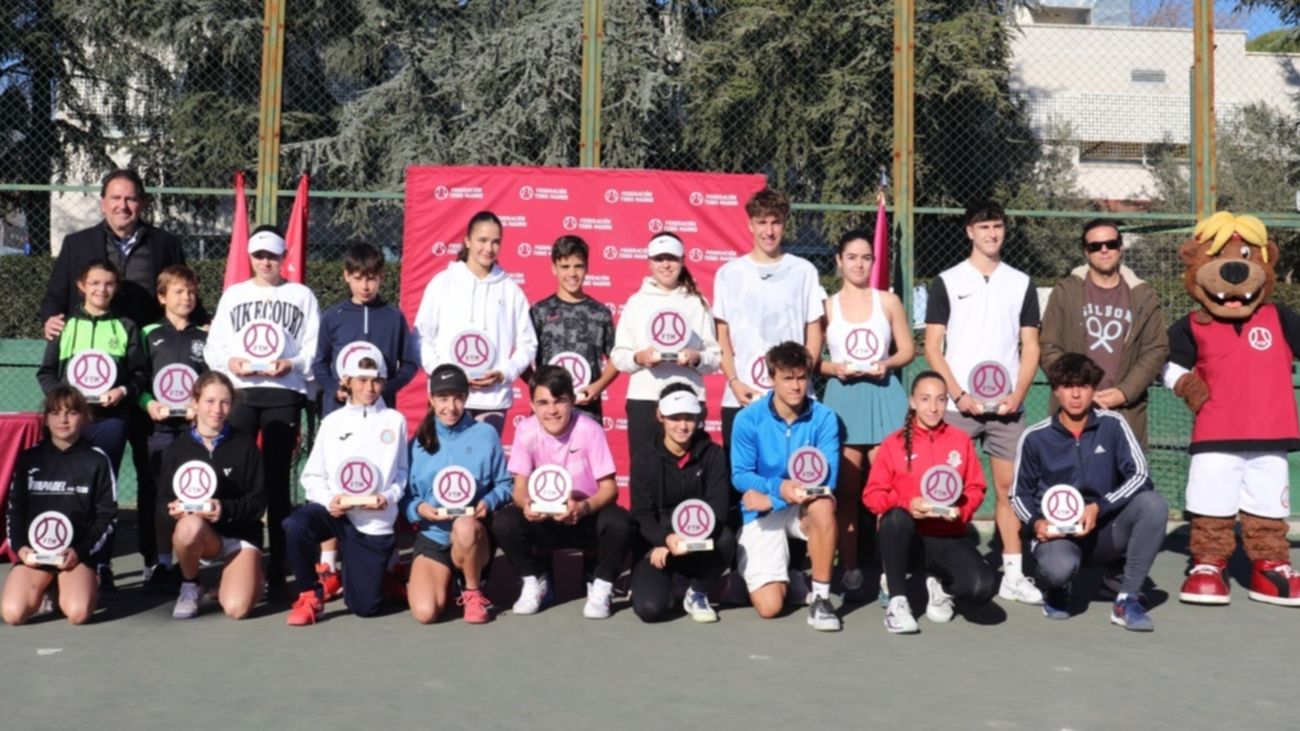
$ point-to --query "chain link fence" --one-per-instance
(1058, 112)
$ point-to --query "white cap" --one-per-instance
(664, 244)
(679, 402)
(353, 369)
(268, 241)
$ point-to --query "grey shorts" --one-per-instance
(1000, 434)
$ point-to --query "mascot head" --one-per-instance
(1230, 265)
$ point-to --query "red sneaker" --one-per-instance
(1275, 582)
(1207, 583)
(475, 606)
(331, 580)
(306, 610)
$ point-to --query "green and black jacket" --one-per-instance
(116, 336)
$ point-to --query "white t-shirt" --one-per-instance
(764, 305)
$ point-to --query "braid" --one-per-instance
(907, 435)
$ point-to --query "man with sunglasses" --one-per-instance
(1106, 312)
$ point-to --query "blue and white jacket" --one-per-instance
(762, 442)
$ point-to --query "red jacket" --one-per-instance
(892, 485)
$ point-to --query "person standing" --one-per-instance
(1105, 312)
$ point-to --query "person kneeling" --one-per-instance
(928, 460)
(353, 479)
(773, 506)
(456, 458)
(1123, 518)
(588, 515)
(681, 464)
(229, 529)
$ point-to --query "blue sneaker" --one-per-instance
(1129, 614)
(1056, 603)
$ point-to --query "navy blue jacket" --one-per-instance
(375, 322)
(1105, 464)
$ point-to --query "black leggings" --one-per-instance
(652, 588)
(642, 426)
(608, 531)
(953, 560)
(275, 413)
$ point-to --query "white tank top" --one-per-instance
(862, 342)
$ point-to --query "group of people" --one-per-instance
(769, 329)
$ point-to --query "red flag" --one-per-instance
(880, 247)
(237, 266)
(295, 236)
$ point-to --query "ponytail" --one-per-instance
(686, 280)
(427, 435)
(908, 422)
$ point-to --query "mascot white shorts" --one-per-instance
(1221, 484)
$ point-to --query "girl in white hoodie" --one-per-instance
(669, 286)
(471, 302)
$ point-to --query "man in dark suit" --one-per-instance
(140, 252)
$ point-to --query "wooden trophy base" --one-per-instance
(359, 501)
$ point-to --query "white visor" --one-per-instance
(663, 244)
(679, 402)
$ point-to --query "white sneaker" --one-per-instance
(821, 615)
(533, 595)
(598, 595)
(1020, 589)
(187, 604)
(47, 604)
(898, 617)
(697, 606)
(940, 607)
(798, 592)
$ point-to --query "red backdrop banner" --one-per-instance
(614, 211)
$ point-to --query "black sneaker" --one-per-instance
(107, 586)
(1056, 603)
(162, 581)
(821, 615)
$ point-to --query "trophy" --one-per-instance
(473, 352)
(990, 382)
(195, 483)
(50, 535)
(941, 487)
(808, 467)
(172, 386)
(93, 373)
(577, 367)
(263, 343)
(1063, 506)
(862, 350)
(693, 522)
(454, 488)
(357, 480)
(668, 333)
(548, 490)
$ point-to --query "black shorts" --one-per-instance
(442, 554)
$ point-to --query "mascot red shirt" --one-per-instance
(1231, 362)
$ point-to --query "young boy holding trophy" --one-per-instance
(353, 479)
(925, 484)
(1083, 488)
(564, 495)
(680, 492)
(62, 504)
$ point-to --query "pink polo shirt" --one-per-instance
(583, 451)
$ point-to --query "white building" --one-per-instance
(1108, 91)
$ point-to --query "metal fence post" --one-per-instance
(904, 148)
(1202, 148)
(593, 35)
(268, 115)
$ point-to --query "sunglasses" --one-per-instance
(1092, 247)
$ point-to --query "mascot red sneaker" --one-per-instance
(1230, 361)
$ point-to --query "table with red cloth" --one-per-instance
(18, 431)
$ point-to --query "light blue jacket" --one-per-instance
(762, 442)
(469, 444)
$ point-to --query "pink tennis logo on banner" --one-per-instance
(1063, 504)
(808, 466)
(51, 531)
(358, 476)
(693, 519)
(862, 344)
(668, 330)
(758, 373)
(990, 380)
(195, 481)
(262, 339)
(576, 365)
(174, 384)
(92, 372)
(454, 486)
(941, 485)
